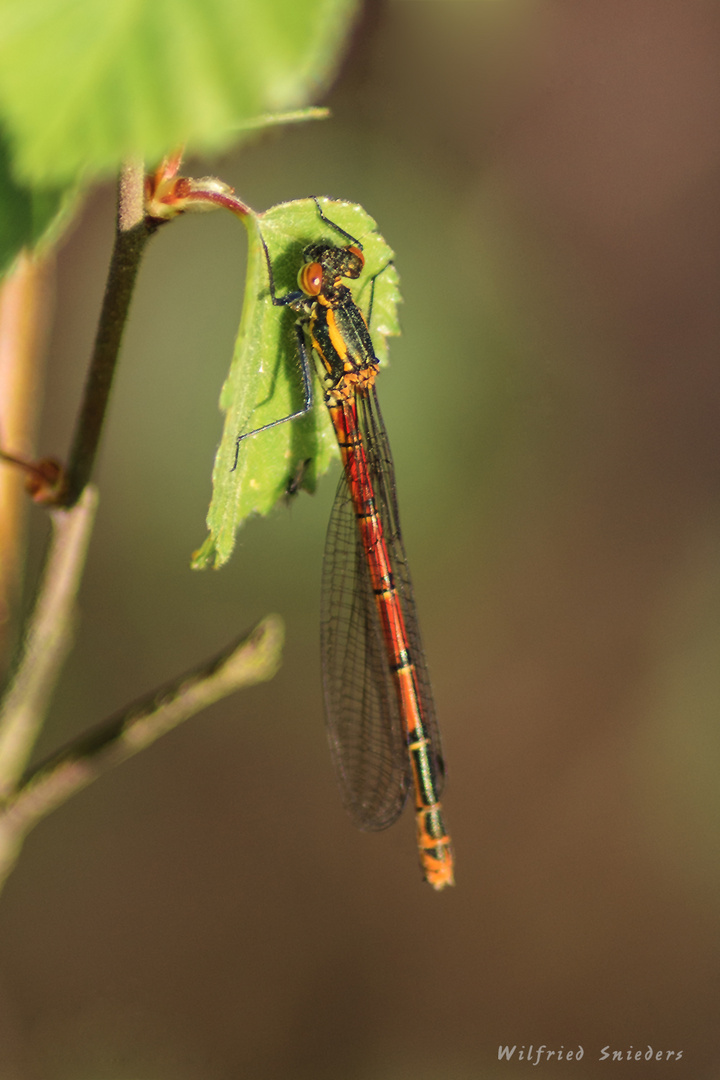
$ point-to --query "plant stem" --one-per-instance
(25, 306)
(47, 640)
(253, 659)
(132, 234)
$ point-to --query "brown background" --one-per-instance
(548, 174)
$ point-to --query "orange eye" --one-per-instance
(358, 255)
(310, 278)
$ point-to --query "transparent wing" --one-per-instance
(365, 728)
(362, 714)
(382, 475)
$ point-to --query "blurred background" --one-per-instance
(548, 174)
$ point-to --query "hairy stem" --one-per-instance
(132, 234)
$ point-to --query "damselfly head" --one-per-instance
(335, 263)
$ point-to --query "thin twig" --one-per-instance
(132, 234)
(47, 641)
(253, 659)
(25, 800)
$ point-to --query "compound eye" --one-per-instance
(310, 278)
(355, 262)
(358, 255)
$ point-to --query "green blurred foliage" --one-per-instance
(30, 217)
(86, 84)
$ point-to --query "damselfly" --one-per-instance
(379, 706)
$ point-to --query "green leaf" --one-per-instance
(87, 83)
(264, 383)
(30, 218)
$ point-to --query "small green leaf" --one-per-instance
(85, 84)
(264, 383)
(30, 218)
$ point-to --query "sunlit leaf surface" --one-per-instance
(264, 383)
(85, 84)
